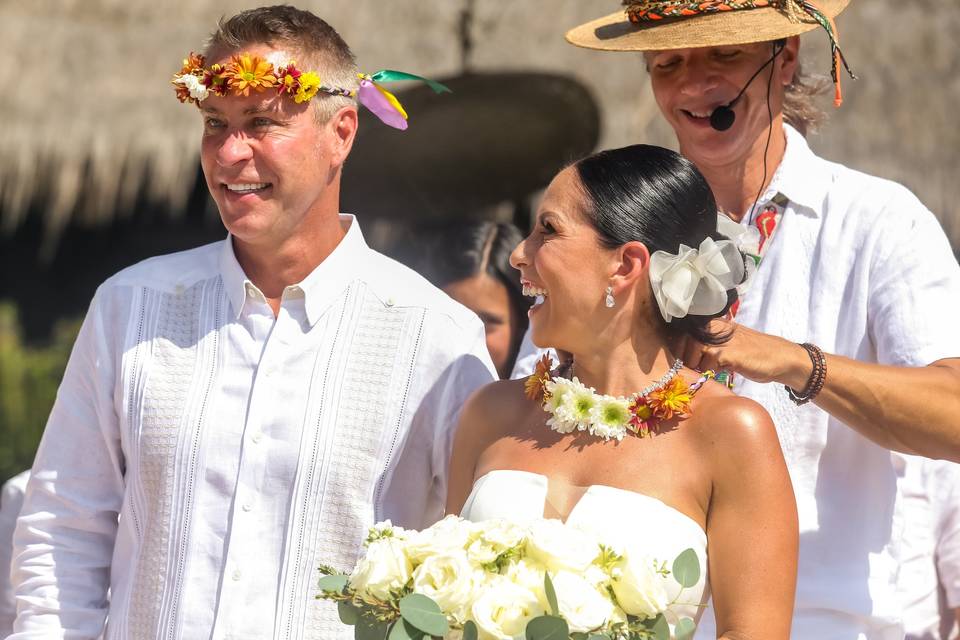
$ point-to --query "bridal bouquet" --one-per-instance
(496, 580)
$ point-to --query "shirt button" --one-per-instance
(391, 302)
(256, 438)
(236, 575)
(247, 506)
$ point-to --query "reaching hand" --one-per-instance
(754, 355)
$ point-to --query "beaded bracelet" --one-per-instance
(817, 377)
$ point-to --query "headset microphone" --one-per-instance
(722, 117)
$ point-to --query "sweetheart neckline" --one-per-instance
(638, 494)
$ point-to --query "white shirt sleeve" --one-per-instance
(528, 357)
(915, 286)
(471, 371)
(11, 500)
(65, 535)
(946, 499)
(454, 362)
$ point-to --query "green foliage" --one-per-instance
(424, 614)
(29, 378)
(686, 568)
(685, 629)
(551, 594)
(547, 628)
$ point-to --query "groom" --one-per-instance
(235, 415)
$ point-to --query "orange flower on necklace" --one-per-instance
(673, 399)
(247, 72)
(535, 384)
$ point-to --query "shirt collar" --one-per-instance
(802, 177)
(321, 286)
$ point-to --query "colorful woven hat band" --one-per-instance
(648, 11)
(246, 72)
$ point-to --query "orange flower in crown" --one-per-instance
(535, 385)
(247, 72)
(193, 64)
(673, 399)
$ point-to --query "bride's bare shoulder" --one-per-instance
(732, 424)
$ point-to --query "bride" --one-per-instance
(624, 251)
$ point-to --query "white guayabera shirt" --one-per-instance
(11, 499)
(239, 450)
(859, 267)
(931, 546)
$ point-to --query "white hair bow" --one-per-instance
(695, 281)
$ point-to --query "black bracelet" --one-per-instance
(817, 377)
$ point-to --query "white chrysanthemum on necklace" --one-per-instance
(610, 417)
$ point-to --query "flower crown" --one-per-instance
(246, 72)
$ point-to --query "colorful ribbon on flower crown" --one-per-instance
(639, 11)
(384, 104)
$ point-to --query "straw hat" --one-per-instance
(785, 18)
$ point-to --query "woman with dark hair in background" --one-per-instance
(625, 261)
(471, 263)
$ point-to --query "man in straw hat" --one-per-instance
(234, 416)
(853, 272)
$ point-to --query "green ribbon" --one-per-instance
(388, 75)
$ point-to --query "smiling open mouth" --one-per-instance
(538, 293)
(249, 187)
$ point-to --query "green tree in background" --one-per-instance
(29, 377)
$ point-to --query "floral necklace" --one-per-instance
(575, 407)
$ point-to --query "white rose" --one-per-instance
(640, 590)
(580, 603)
(494, 538)
(384, 568)
(449, 580)
(529, 575)
(560, 547)
(503, 610)
(448, 535)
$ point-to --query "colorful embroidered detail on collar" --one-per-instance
(246, 72)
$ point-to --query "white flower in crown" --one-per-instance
(198, 90)
(610, 417)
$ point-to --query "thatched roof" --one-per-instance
(90, 124)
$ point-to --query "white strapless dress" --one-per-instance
(626, 519)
